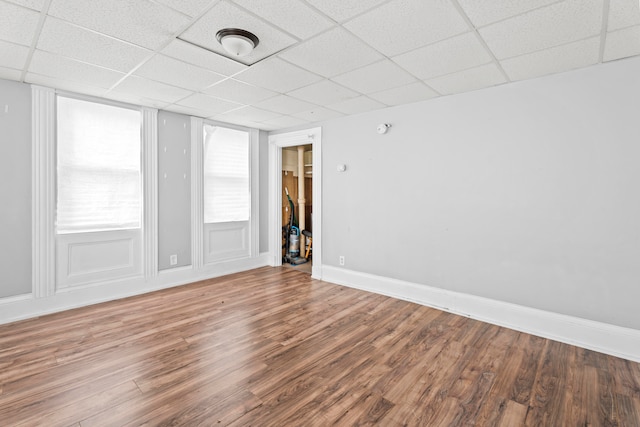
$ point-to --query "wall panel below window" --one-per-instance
(85, 258)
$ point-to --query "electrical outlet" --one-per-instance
(341, 259)
(173, 259)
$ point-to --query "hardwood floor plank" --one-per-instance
(606, 405)
(107, 364)
(208, 410)
(25, 365)
(163, 402)
(446, 414)
(628, 377)
(202, 363)
(628, 410)
(369, 409)
(408, 370)
(273, 347)
(498, 399)
(342, 390)
(286, 404)
(585, 399)
(63, 411)
(514, 414)
(467, 382)
(548, 401)
(532, 347)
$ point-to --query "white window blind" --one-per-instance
(226, 175)
(99, 184)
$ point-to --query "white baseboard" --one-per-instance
(26, 306)
(602, 337)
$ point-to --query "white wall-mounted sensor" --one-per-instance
(341, 168)
(383, 128)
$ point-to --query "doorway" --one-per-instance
(311, 141)
(297, 207)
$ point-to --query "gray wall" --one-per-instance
(527, 193)
(174, 189)
(174, 194)
(263, 145)
(15, 191)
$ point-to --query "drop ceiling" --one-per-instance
(317, 59)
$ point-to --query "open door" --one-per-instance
(309, 141)
(297, 207)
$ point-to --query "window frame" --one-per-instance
(248, 165)
(110, 103)
(198, 227)
(46, 244)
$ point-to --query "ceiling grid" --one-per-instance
(316, 60)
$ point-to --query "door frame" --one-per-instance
(311, 136)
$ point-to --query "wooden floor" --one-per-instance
(273, 347)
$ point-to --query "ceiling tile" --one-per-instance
(448, 56)
(317, 114)
(13, 55)
(622, 43)
(153, 90)
(225, 15)
(17, 24)
(144, 23)
(191, 7)
(356, 105)
(136, 100)
(405, 94)
(70, 85)
(485, 12)
(332, 53)
(375, 77)
(209, 105)
(187, 111)
(284, 104)
(47, 64)
(202, 58)
(69, 40)
(243, 122)
(236, 120)
(285, 122)
(31, 4)
(341, 10)
(623, 13)
(468, 80)
(403, 25)
(293, 16)
(266, 127)
(550, 26)
(249, 113)
(87, 47)
(554, 60)
(177, 73)
(323, 93)
(10, 73)
(240, 92)
(277, 75)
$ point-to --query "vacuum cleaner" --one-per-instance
(291, 235)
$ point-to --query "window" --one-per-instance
(99, 184)
(226, 175)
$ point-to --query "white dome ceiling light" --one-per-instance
(236, 41)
